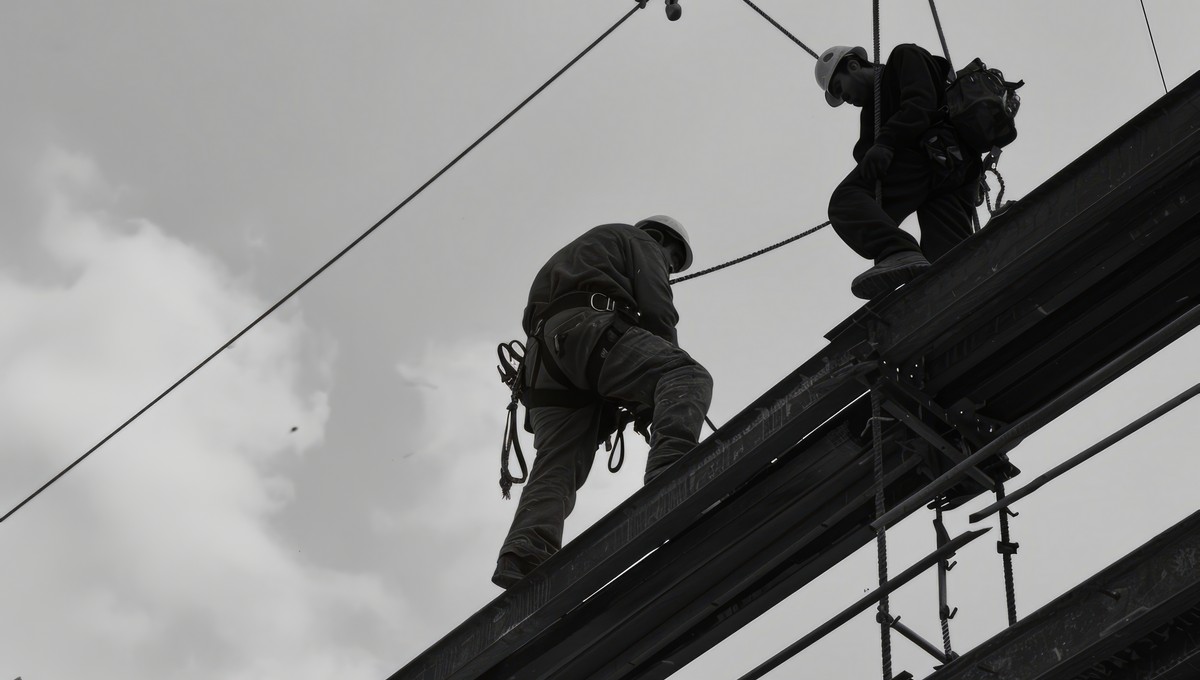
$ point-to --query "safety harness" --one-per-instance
(512, 373)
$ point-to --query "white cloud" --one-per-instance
(157, 557)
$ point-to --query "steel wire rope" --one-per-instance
(323, 267)
(754, 254)
(783, 30)
(1152, 44)
(937, 21)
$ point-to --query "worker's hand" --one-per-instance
(641, 423)
(875, 162)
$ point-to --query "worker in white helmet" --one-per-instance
(601, 326)
(915, 157)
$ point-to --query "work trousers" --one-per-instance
(943, 201)
(642, 371)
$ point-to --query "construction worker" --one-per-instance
(915, 157)
(601, 326)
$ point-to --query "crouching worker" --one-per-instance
(601, 326)
(916, 158)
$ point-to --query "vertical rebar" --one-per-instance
(1007, 549)
(943, 602)
(885, 630)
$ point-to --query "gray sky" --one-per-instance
(171, 169)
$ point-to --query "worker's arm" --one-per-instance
(652, 288)
(920, 85)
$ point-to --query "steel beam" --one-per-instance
(772, 425)
(1140, 613)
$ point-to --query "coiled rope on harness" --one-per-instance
(1001, 206)
(986, 198)
(511, 368)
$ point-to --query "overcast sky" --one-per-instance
(321, 500)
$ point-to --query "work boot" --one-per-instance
(889, 274)
(510, 569)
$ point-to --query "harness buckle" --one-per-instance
(609, 305)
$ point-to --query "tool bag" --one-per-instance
(982, 106)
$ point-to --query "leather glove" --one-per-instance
(875, 162)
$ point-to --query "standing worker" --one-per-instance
(601, 326)
(915, 157)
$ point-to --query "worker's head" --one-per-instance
(846, 75)
(673, 238)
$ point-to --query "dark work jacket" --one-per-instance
(913, 92)
(618, 260)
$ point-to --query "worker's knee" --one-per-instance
(687, 381)
(843, 200)
(684, 367)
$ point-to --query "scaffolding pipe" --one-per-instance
(913, 636)
(1085, 455)
(1034, 421)
(861, 606)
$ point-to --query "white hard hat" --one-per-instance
(673, 227)
(828, 62)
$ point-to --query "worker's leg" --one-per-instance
(871, 230)
(647, 372)
(565, 440)
(946, 220)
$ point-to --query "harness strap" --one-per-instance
(609, 340)
(582, 298)
(546, 360)
(624, 317)
(616, 451)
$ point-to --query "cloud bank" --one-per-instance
(157, 557)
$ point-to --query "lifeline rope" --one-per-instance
(776, 24)
(323, 267)
(878, 93)
(885, 629)
(756, 253)
(941, 36)
(1151, 32)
